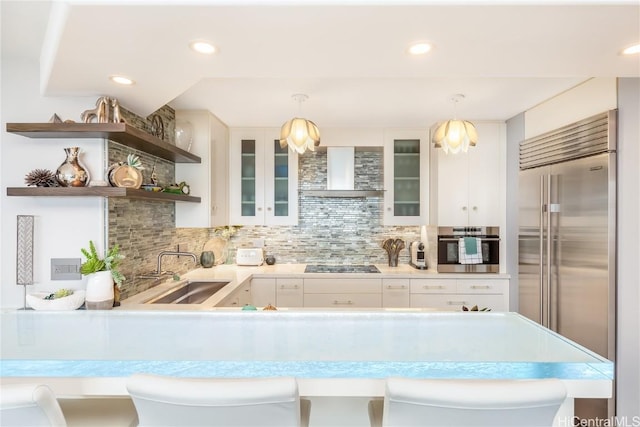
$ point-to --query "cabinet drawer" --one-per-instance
(239, 298)
(342, 285)
(343, 300)
(263, 291)
(395, 292)
(433, 286)
(455, 302)
(482, 286)
(289, 284)
(289, 292)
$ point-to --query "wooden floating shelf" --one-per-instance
(121, 133)
(129, 193)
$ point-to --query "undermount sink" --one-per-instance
(194, 292)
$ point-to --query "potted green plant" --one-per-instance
(101, 274)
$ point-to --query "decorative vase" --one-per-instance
(393, 248)
(99, 294)
(71, 173)
(224, 252)
(207, 259)
(124, 176)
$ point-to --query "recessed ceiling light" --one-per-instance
(121, 80)
(419, 48)
(632, 49)
(203, 47)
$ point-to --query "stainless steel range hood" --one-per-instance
(341, 176)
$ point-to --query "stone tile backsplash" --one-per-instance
(329, 231)
(143, 228)
(335, 230)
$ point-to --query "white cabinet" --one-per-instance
(452, 294)
(239, 298)
(281, 292)
(406, 177)
(395, 293)
(263, 292)
(263, 179)
(290, 292)
(209, 178)
(340, 292)
(433, 286)
(470, 187)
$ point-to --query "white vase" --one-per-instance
(99, 293)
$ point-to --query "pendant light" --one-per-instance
(298, 133)
(455, 135)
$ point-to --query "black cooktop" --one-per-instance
(341, 269)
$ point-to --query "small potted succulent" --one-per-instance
(101, 274)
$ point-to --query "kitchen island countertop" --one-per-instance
(339, 358)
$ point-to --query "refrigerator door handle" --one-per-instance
(548, 242)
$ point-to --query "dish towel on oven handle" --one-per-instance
(473, 255)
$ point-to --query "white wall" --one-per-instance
(628, 251)
(515, 134)
(585, 100)
(62, 225)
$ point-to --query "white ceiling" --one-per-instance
(349, 56)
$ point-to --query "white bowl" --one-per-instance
(74, 301)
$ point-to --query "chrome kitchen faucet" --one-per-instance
(158, 273)
(165, 253)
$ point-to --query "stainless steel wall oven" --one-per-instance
(453, 259)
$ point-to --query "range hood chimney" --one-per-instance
(341, 176)
(340, 168)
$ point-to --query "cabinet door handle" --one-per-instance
(289, 287)
(348, 302)
(475, 208)
(269, 208)
(259, 209)
(396, 287)
(464, 208)
(480, 287)
(457, 303)
(433, 287)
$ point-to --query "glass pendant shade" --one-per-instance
(455, 136)
(300, 135)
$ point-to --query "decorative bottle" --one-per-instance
(71, 173)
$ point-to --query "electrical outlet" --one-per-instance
(66, 269)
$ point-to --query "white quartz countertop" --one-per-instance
(238, 275)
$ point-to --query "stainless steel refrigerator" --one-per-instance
(567, 234)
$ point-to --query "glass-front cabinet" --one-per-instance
(406, 177)
(281, 194)
(248, 177)
(263, 179)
